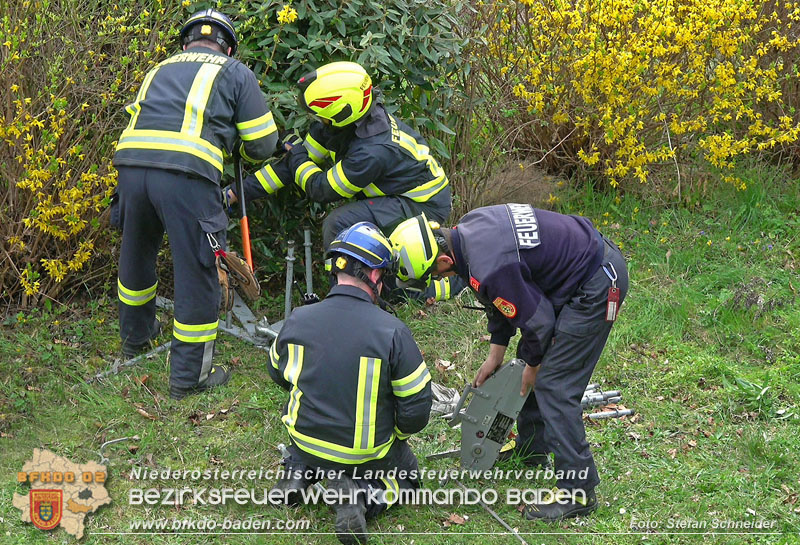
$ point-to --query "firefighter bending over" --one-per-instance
(560, 282)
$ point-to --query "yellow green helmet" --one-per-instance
(340, 92)
(416, 250)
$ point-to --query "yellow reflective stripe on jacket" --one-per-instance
(427, 190)
(135, 298)
(257, 128)
(392, 492)
(413, 383)
(273, 354)
(316, 151)
(294, 366)
(369, 374)
(171, 141)
(197, 99)
(268, 179)
(372, 191)
(422, 152)
(194, 333)
(339, 182)
(292, 375)
(135, 108)
(441, 289)
(295, 363)
(400, 435)
(243, 155)
(337, 453)
(304, 172)
(290, 418)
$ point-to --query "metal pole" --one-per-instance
(617, 413)
(119, 365)
(495, 516)
(287, 309)
(103, 459)
(307, 244)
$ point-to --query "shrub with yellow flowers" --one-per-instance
(66, 72)
(621, 88)
(411, 49)
(68, 68)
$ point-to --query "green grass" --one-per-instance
(706, 349)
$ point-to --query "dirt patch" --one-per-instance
(751, 294)
(513, 183)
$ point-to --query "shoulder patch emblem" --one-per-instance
(506, 307)
(474, 283)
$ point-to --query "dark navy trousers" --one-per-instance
(152, 201)
(552, 418)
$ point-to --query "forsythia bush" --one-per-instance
(622, 87)
(65, 68)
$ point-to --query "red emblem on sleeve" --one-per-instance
(474, 283)
(506, 307)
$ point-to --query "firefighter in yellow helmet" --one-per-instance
(356, 151)
(190, 112)
(558, 281)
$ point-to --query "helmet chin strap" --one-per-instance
(418, 284)
(343, 131)
(361, 275)
(356, 270)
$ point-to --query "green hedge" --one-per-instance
(68, 68)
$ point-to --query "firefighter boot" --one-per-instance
(351, 512)
(218, 376)
(292, 487)
(132, 350)
(561, 504)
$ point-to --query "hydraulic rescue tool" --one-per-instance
(493, 409)
(490, 415)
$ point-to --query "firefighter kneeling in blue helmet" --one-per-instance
(359, 387)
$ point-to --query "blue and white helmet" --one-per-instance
(365, 243)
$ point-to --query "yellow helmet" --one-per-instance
(416, 249)
(340, 92)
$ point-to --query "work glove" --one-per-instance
(239, 274)
(226, 199)
(285, 138)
